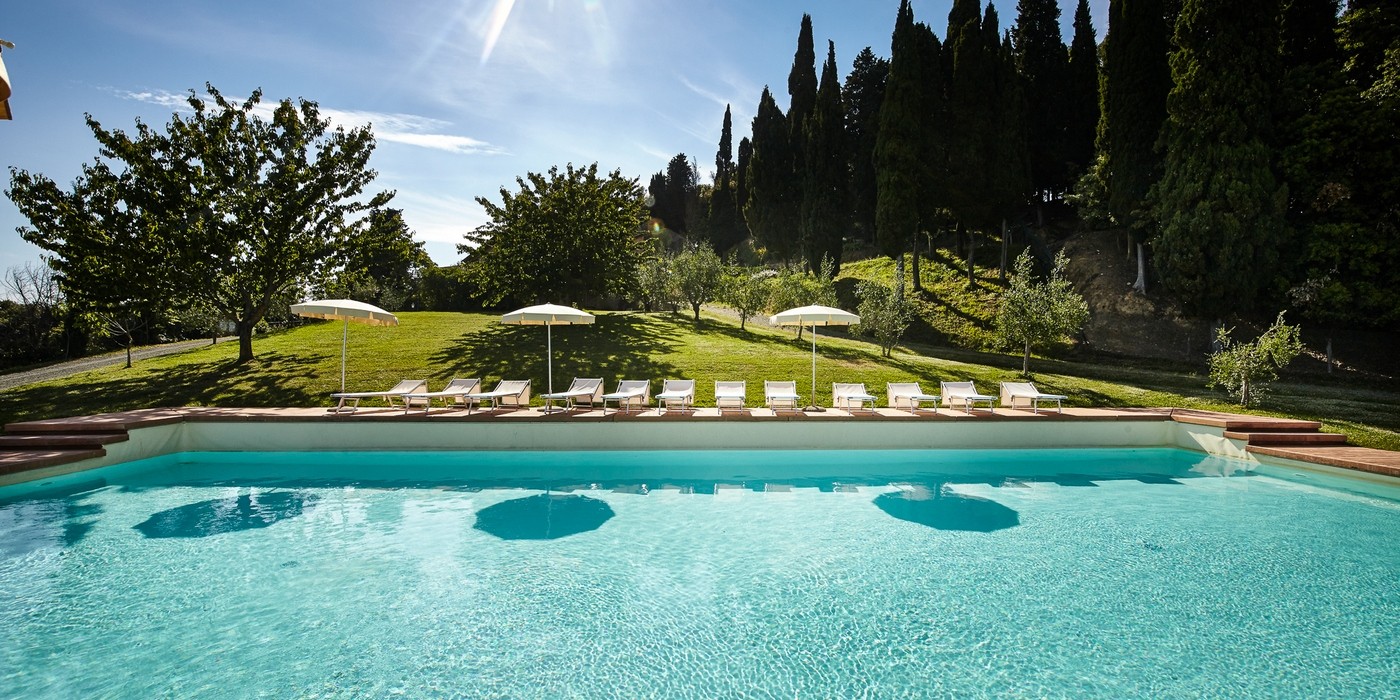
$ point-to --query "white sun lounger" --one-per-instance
(851, 396)
(730, 395)
(589, 391)
(1026, 391)
(911, 395)
(509, 392)
(965, 394)
(454, 393)
(629, 391)
(677, 390)
(400, 390)
(780, 394)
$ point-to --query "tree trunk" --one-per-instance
(1026, 359)
(697, 311)
(129, 341)
(918, 279)
(1006, 248)
(245, 342)
(971, 254)
(899, 272)
(1329, 354)
(1140, 285)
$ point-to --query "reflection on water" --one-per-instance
(545, 516)
(942, 509)
(216, 517)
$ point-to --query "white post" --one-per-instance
(813, 401)
(549, 351)
(344, 336)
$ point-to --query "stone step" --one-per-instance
(1287, 438)
(15, 461)
(43, 441)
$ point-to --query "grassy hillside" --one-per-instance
(300, 367)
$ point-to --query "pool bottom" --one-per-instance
(1184, 585)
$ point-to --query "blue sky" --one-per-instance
(463, 95)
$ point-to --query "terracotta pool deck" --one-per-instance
(46, 443)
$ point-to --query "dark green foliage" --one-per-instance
(972, 107)
(226, 209)
(383, 266)
(774, 193)
(741, 178)
(1082, 93)
(1010, 169)
(1339, 142)
(563, 237)
(1043, 63)
(1220, 208)
(724, 227)
(864, 91)
(1134, 104)
(825, 214)
(802, 82)
(908, 159)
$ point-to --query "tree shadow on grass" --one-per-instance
(616, 346)
(271, 379)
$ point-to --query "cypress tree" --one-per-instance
(1133, 105)
(771, 211)
(864, 91)
(1043, 64)
(802, 93)
(724, 216)
(1010, 167)
(741, 176)
(899, 170)
(971, 115)
(825, 213)
(1218, 203)
(1081, 93)
(681, 195)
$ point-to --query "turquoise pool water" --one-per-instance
(1064, 573)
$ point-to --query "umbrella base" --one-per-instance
(813, 409)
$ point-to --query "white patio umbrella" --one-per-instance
(345, 310)
(547, 315)
(814, 316)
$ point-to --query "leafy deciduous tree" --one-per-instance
(884, 312)
(563, 237)
(698, 276)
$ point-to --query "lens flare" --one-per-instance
(495, 24)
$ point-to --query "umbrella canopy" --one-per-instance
(4, 85)
(547, 315)
(814, 316)
(345, 310)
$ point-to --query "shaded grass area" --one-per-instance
(301, 367)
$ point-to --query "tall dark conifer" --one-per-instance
(825, 185)
(863, 93)
(1081, 93)
(971, 109)
(1220, 208)
(771, 211)
(1043, 64)
(724, 215)
(802, 93)
(741, 176)
(898, 170)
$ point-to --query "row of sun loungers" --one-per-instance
(679, 394)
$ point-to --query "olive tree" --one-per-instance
(1035, 312)
(884, 312)
(699, 276)
(1246, 369)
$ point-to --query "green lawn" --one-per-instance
(300, 367)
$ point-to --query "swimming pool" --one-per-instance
(965, 573)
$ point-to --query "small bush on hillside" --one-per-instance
(1246, 369)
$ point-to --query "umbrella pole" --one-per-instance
(812, 405)
(549, 350)
(344, 337)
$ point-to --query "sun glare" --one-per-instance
(495, 24)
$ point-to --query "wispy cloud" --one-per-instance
(393, 127)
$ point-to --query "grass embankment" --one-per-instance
(300, 367)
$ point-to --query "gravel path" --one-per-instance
(64, 369)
